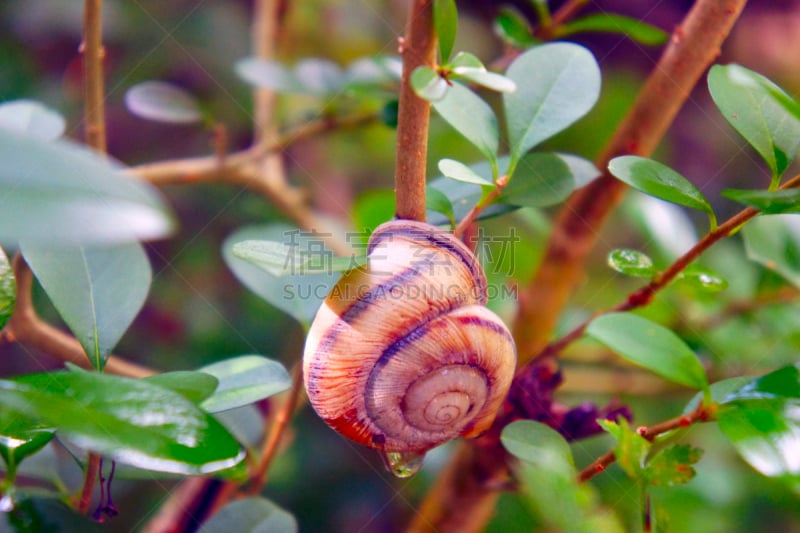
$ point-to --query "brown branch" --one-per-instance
(89, 477)
(693, 46)
(94, 92)
(703, 413)
(418, 49)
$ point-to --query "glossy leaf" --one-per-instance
(8, 289)
(470, 116)
(445, 22)
(631, 450)
(58, 192)
(673, 465)
(762, 420)
(657, 179)
(194, 386)
(649, 345)
(610, 23)
(428, 85)
(513, 28)
(746, 100)
(703, 278)
(769, 202)
(163, 102)
(631, 263)
(32, 118)
(98, 291)
(583, 170)
(244, 380)
(128, 420)
(540, 179)
(297, 295)
(556, 85)
(537, 443)
(774, 241)
(458, 171)
(250, 515)
(21, 437)
(436, 200)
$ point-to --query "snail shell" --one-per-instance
(403, 356)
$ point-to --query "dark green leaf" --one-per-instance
(656, 179)
(194, 386)
(457, 170)
(98, 291)
(770, 202)
(21, 437)
(129, 420)
(673, 465)
(774, 241)
(445, 21)
(268, 74)
(747, 100)
(540, 179)
(390, 112)
(783, 383)
(371, 209)
(538, 444)
(650, 345)
(297, 295)
(162, 102)
(436, 200)
(583, 170)
(32, 118)
(610, 23)
(631, 263)
(513, 28)
(631, 450)
(244, 380)
(428, 85)
(703, 278)
(47, 514)
(8, 289)
(556, 85)
(470, 116)
(250, 515)
(58, 192)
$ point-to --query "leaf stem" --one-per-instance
(418, 48)
(487, 200)
(89, 478)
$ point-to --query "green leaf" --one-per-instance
(457, 170)
(445, 21)
(540, 179)
(631, 450)
(762, 420)
(244, 380)
(435, 200)
(649, 345)
(513, 28)
(673, 465)
(58, 192)
(556, 85)
(47, 514)
(583, 170)
(703, 278)
(774, 241)
(98, 291)
(319, 77)
(769, 202)
(297, 295)
(268, 75)
(8, 289)
(631, 263)
(747, 101)
(428, 85)
(538, 444)
(657, 179)
(470, 116)
(371, 209)
(32, 118)
(468, 67)
(194, 386)
(163, 102)
(377, 74)
(610, 23)
(390, 112)
(250, 515)
(128, 420)
(21, 437)
(280, 259)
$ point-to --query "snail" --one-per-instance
(403, 355)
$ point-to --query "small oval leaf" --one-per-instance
(631, 263)
(163, 102)
(540, 179)
(244, 380)
(611, 23)
(457, 170)
(32, 118)
(536, 443)
(428, 85)
(435, 200)
(703, 278)
(445, 22)
(649, 345)
(267, 74)
(470, 116)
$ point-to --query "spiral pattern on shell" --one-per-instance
(403, 355)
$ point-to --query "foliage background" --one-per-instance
(198, 313)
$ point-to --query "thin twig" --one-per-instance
(418, 48)
(703, 413)
(467, 221)
(693, 46)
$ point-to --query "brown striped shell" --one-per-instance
(403, 356)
